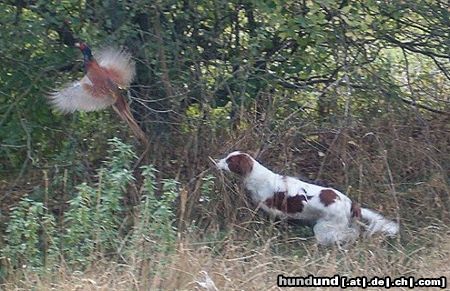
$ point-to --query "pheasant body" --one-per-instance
(101, 87)
(95, 91)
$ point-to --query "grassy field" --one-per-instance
(242, 261)
(200, 226)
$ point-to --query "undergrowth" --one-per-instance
(181, 233)
(95, 225)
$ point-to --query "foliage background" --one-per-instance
(353, 92)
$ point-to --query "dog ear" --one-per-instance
(240, 164)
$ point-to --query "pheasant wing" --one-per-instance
(119, 64)
(78, 96)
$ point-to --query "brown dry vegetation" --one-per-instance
(398, 166)
(252, 262)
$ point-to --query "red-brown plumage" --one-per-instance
(101, 86)
(103, 81)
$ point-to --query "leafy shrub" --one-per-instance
(95, 223)
(31, 237)
(156, 215)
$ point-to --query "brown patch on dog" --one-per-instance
(328, 197)
(288, 204)
(355, 210)
(276, 201)
(240, 164)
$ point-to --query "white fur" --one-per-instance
(74, 96)
(333, 223)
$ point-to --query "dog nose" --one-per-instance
(219, 164)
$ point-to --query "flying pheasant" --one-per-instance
(103, 85)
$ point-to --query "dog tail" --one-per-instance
(378, 223)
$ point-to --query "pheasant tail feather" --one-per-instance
(123, 110)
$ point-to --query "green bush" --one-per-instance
(95, 223)
(31, 238)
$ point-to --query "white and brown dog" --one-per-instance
(334, 215)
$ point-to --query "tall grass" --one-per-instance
(180, 233)
(95, 226)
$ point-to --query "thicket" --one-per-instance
(353, 92)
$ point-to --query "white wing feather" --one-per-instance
(120, 61)
(74, 97)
